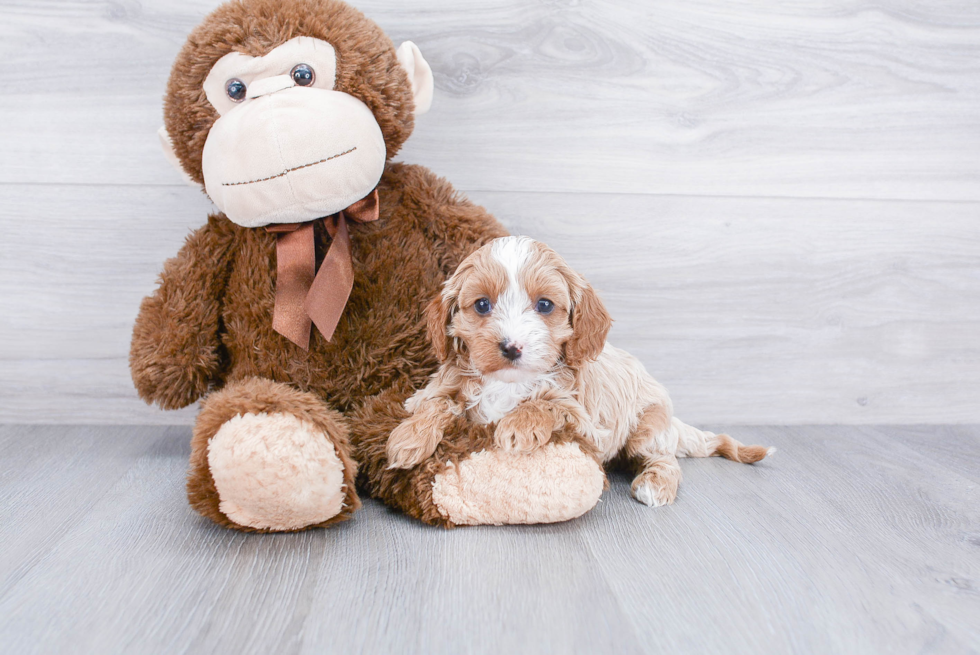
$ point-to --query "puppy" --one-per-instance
(521, 338)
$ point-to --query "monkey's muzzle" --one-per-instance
(292, 156)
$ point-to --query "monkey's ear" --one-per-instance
(419, 74)
(168, 152)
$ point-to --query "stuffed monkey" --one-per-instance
(296, 312)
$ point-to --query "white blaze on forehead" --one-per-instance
(512, 253)
(513, 314)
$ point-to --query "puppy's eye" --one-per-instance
(544, 306)
(482, 306)
(302, 74)
(235, 89)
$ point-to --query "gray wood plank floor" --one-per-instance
(849, 540)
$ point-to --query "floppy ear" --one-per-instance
(590, 325)
(437, 315)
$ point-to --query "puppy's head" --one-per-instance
(513, 309)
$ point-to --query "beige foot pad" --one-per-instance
(276, 472)
(553, 483)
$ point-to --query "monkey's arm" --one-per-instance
(176, 354)
(432, 408)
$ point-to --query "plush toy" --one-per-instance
(297, 311)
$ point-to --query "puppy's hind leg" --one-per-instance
(701, 443)
(651, 449)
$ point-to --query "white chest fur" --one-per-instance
(495, 399)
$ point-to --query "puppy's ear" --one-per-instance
(437, 316)
(590, 325)
(440, 312)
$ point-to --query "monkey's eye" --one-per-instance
(544, 306)
(235, 89)
(482, 306)
(302, 74)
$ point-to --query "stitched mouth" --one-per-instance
(290, 170)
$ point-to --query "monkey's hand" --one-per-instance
(175, 354)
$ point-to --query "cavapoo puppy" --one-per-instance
(522, 341)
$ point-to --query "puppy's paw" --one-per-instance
(412, 442)
(526, 428)
(656, 487)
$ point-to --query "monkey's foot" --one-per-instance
(275, 472)
(469, 481)
(266, 457)
(556, 482)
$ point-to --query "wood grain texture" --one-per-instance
(849, 540)
(812, 311)
(842, 508)
(861, 312)
(705, 164)
(51, 477)
(839, 98)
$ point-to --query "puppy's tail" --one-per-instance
(701, 443)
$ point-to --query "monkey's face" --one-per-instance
(287, 110)
(288, 147)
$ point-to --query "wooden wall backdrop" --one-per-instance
(780, 201)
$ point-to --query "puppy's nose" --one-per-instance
(510, 351)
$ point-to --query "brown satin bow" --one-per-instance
(305, 295)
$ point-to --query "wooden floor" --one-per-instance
(856, 539)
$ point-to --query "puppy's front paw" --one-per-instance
(524, 429)
(412, 442)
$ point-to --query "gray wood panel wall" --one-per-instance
(779, 201)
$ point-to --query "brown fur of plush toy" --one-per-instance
(380, 339)
(207, 329)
